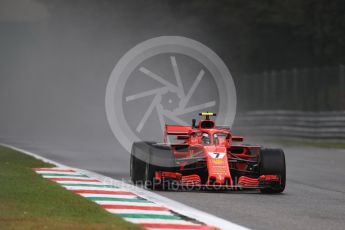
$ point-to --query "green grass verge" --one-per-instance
(27, 201)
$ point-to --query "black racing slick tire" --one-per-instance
(161, 159)
(146, 159)
(272, 162)
(139, 156)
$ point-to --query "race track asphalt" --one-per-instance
(314, 197)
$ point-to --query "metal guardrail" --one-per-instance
(312, 89)
(292, 124)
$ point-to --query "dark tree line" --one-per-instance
(251, 36)
(272, 34)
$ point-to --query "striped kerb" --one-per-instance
(119, 201)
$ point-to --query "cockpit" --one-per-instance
(205, 138)
(218, 138)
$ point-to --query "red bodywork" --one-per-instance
(216, 161)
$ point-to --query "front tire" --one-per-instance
(272, 162)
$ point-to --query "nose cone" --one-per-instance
(218, 166)
(217, 180)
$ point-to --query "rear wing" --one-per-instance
(177, 129)
(181, 131)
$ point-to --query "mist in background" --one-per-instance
(56, 58)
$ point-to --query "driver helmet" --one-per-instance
(206, 138)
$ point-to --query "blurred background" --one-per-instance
(286, 57)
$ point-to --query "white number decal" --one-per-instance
(216, 155)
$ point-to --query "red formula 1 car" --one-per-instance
(206, 156)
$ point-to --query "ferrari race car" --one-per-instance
(206, 156)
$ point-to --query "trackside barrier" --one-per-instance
(328, 126)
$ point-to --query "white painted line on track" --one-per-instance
(108, 195)
(52, 173)
(160, 221)
(80, 182)
(93, 188)
(129, 203)
(70, 177)
(133, 211)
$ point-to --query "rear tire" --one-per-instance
(272, 162)
(139, 156)
(149, 177)
(146, 159)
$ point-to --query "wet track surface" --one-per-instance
(314, 197)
